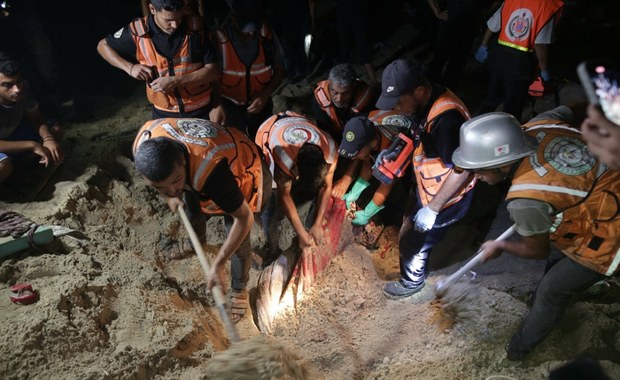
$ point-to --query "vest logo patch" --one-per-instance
(569, 156)
(349, 136)
(297, 134)
(519, 24)
(399, 121)
(197, 128)
(501, 150)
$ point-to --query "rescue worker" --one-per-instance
(559, 193)
(443, 195)
(23, 129)
(174, 58)
(340, 97)
(252, 63)
(525, 27)
(364, 139)
(301, 155)
(210, 170)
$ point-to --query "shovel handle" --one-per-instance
(216, 290)
(470, 264)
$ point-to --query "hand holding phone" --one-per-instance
(600, 81)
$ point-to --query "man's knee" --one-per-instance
(6, 168)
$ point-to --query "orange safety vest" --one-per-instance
(207, 144)
(581, 190)
(240, 83)
(363, 96)
(430, 173)
(181, 99)
(282, 135)
(389, 124)
(522, 20)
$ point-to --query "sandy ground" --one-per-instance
(109, 308)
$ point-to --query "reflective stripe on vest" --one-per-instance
(431, 173)
(282, 135)
(240, 83)
(182, 99)
(583, 193)
(522, 20)
(207, 144)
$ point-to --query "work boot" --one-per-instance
(396, 290)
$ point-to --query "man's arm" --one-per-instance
(242, 224)
(528, 247)
(324, 196)
(207, 74)
(341, 186)
(542, 53)
(47, 139)
(134, 70)
(262, 97)
(284, 196)
(451, 185)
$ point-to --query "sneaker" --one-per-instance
(396, 290)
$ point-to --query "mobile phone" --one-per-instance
(600, 80)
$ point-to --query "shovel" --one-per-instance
(442, 285)
(216, 290)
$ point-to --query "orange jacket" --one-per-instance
(430, 173)
(207, 144)
(363, 96)
(181, 99)
(522, 20)
(583, 193)
(282, 135)
(240, 83)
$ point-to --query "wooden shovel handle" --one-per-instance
(216, 291)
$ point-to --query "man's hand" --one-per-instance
(305, 240)
(491, 250)
(44, 153)
(424, 219)
(602, 136)
(443, 15)
(141, 72)
(341, 187)
(317, 233)
(258, 103)
(174, 203)
(163, 84)
(482, 54)
(216, 277)
(217, 115)
(54, 148)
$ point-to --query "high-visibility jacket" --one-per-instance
(431, 173)
(389, 125)
(581, 190)
(187, 59)
(282, 135)
(207, 144)
(239, 83)
(522, 20)
(363, 96)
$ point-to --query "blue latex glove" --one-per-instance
(356, 190)
(363, 217)
(424, 219)
(545, 75)
(482, 54)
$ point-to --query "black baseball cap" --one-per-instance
(248, 15)
(357, 132)
(398, 78)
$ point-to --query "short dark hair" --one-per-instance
(168, 5)
(8, 65)
(155, 158)
(312, 167)
(342, 75)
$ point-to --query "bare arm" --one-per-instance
(242, 224)
(486, 37)
(284, 196)
(528, 247)
(208, 73)
(542, 55)
(452, 184)
(259, 101)
(324, 196)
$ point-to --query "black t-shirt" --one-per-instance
(444, 137)
(221, 187)
(166, 44)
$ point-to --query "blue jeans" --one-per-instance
(562, 279)
(414, 247)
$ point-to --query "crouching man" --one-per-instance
(211, 170)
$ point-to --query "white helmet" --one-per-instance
(492, 140)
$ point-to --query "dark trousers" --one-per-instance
(237, 117)
(562, 279)
(511, 75)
